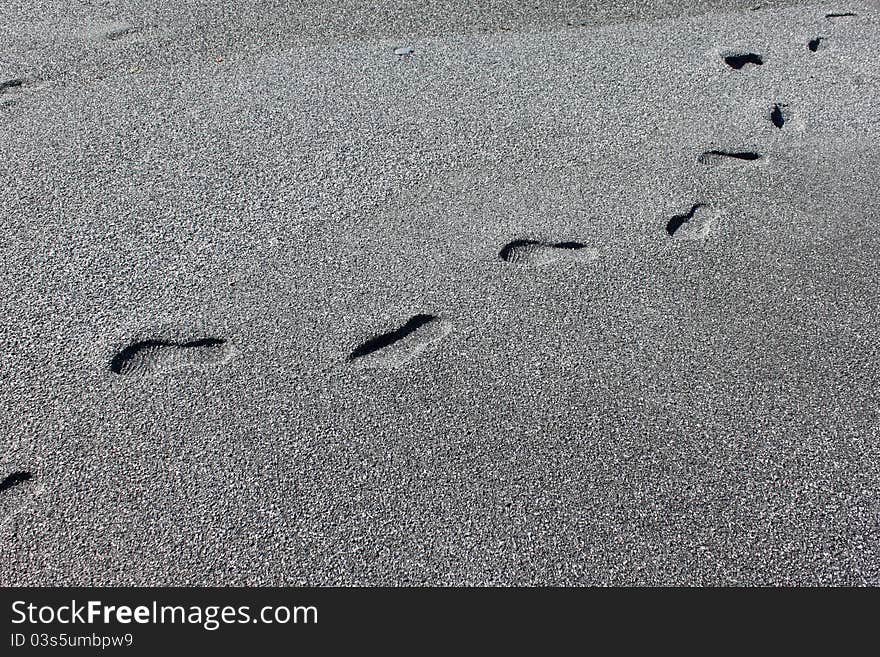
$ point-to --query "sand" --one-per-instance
(261, 322)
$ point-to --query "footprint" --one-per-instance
(15, 491)
(695, 224)
(152, 356)
(814, 44)
(779, 114)
(739, 60)
(716, 157)
(531, 252)
(121, 31)
(401, 345)
(12, 86)
(782, 116)
(8, 90)
(110, 30)
(15, 479)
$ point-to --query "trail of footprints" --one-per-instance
(697, 222)
(18, 486)
(400, 345)
(396, 347)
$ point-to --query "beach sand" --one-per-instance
(578, 293)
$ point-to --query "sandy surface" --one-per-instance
(564, 296)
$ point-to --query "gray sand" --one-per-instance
(692, 408)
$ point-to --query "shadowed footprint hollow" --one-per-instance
(739, 61)
(679, 220)
(778, 114)
(719, 156)
(11, 85)
(698, 223)
(396, 347)
(150, 356)
(15, 479)
(121, 32)
(534, 252)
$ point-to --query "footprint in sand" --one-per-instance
(728, 157)
(739, 61)
(153, 356)
(696, 224)
(12, 86)
(779, 114)
(782, 116)
(401, 345)
(112, 30)
(9, 89)
(532, 252)
(16, 489)
(121, 32)
(817, 43)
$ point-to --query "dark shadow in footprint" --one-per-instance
(121, 32)
(717, 157)
(513, 247)
(814, 44)
(387, 339)
(778, 114)
(740, 60)
(510, 251)
(535, 252)
(11, 85)
(150, 356)
(680, 219)
(696, 224)
(400, 345)
(15, 479)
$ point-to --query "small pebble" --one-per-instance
(404, 51)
